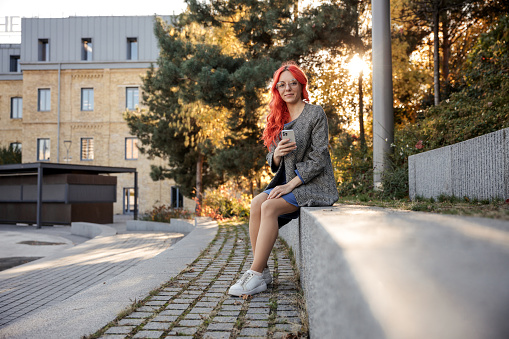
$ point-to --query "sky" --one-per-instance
(12, 10)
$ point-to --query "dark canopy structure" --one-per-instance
(80, 184)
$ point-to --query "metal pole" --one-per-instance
(135, 195)
(383, 113)
(39, 196)
(58, 115)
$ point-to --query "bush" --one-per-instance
(165, 213)
(225, 202)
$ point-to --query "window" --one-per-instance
(132, 48)
(44, 100)
(87, 149)
(16, 108)
(131, 148)
(131, 97)
(15, 67)
(87, 99)
(43, 50)
(86, 49)
(43, 149)
(15, 146)
(177, 200)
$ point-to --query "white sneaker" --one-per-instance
(267, 276)
(250, 284)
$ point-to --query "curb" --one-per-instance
(90, 230)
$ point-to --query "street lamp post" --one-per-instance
(383, 111)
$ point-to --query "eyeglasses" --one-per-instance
(282, 85)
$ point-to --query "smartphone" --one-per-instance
(288, 134)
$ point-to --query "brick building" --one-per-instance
(63, 93)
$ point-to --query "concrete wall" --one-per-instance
(374, 273)
(475, 168)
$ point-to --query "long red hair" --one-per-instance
(278, 111)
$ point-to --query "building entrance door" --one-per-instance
(128, 200)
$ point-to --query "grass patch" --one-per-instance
(495, 209)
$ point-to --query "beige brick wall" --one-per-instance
(105, 124)
(10, 129)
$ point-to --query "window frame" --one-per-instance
(82, 106)
(39, 108)
(16, 145)
(15, 64)
(132, 41)
(127, 90)
(86, 49)
(19, 109)
(90, 149)
(134, 146)
(48, 140)
(43, 49)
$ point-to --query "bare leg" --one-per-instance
(254, 218)
(268, 230)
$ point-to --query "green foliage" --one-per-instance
(10, 155)
(221, 204)
(353, 166)
(482, 104)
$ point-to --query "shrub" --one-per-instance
(165, 213)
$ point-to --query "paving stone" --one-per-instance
(140, 315)
(228, 313)
(148, 334)
(220, 327)
(156, 303)
(192, 322)
(154, 325)
(288, 314)
(206, 304)
(134, 322)
(256, 323)
(257, 316)
(224, 319)
(165, 318)
(171, 312)
(173, 306)
(119, 330)
(183, 331)
(254, 332)
(205, 310)
(192, 316)
(216, 335)
(113, 336)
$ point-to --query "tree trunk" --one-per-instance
(436, 52)
(199, 185)
(361, 114)
(446, 53)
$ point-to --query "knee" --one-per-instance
(257, 201)
(269, 209)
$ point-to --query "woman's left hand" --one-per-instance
(279, 191)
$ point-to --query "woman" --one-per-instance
(303, 171)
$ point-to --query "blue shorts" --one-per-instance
(289, 198)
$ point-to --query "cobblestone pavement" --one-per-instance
(195, 304)
(48, 282)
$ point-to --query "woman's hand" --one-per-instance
(279, 191)
(283, 148)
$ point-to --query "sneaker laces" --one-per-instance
(245, 278)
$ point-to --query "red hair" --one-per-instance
(278, 111)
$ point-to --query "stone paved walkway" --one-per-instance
(195, 304)
(48, 282)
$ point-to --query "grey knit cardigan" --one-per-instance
(311, 159)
